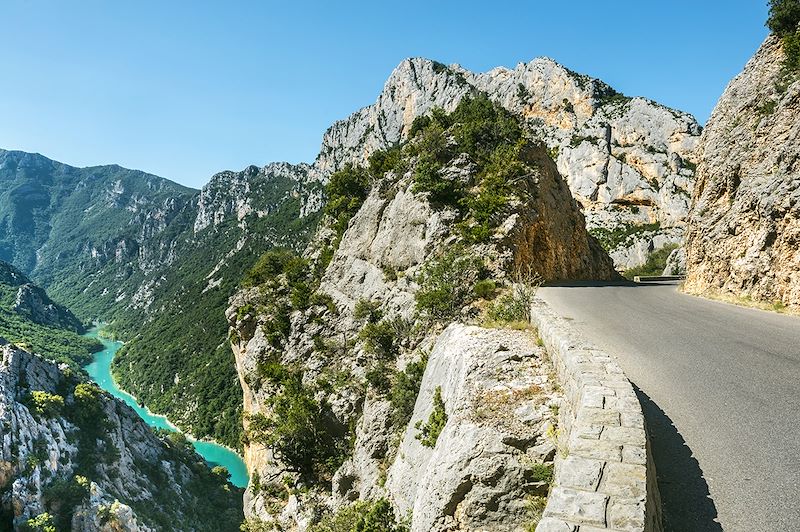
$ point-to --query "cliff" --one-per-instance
(75, 458)
(744, 234)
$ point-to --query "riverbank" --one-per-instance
(213, 453)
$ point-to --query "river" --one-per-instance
(214, 454)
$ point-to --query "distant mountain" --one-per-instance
(158, 261)
(30, 319)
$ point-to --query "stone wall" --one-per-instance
(604, 476)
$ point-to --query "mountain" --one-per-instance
(743, 235)
(158, 261)
(360, 385)
(628, 161)
(30, 318)
(74, 458)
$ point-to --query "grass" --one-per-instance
(743, 301)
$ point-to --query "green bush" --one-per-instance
(430, 430)
(63, 495)
(346, 190)
(361, 516)
(382, 339)
(41, 523)
(302, 432)
(368, 311)
(784, 21)
(46, 404)
(542, 473)
(270, 265)
(485, 289)
(405, 388)
(447, 284)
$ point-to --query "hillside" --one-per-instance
(355, 381)
(30, 318)
(74, 458)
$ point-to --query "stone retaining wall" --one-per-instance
(604, 476)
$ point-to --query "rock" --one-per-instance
(744, 231)
(130, 465)
(628, 161)
(477, 475)
(676, 262)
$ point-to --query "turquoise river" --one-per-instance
(100, 371)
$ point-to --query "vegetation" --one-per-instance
(656, 262)
(611, 239)
(41, 523)
(302, 432)
(784, 21)
(46, 404)
(404, 391)
(447, 283)
(346, 190)
(362, 516)
(430, 430)
(542, 473)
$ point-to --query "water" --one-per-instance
(214, 454)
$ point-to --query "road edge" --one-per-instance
(605, 477)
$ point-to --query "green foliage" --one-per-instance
(366, 310)
(361, 516)
(46, 404)
(542, 473)
(268, 266)
(430, 430)
(611, 239)
(447, 284)
(784, 21)
(656, 262)
(485, 289)
(404, 391)
(41, 523)
(784, 16)
(302, 432)
(382, 339)
(63, 495)
(346, 191)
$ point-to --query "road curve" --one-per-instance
(720, 386)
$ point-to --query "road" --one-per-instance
(720, 385)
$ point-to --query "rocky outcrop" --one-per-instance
(744, 231)
(500, 406)
(628, 161)
(69, 450)
(32, 303)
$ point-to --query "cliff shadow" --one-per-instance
(685, 500)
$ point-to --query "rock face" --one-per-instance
(744, 233)
(628, 161)
(32, 302)
(90, 472)
(498, 399)
(484, 458)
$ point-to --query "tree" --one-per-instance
(784, 17)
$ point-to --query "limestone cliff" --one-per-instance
(628, 161)
(744, 234)
(73, 457)
(349, 358)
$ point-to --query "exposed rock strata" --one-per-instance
(744, 234)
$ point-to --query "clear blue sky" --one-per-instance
(185, 89)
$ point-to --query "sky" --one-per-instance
(184, 89)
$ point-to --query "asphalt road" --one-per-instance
(720, 386)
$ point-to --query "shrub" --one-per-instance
(542, 473)
(87, 407)
(784, 21)
(485, 289)
(515, 305)
(403, 395)
(366, 310)
(429, 431)
(221, 471)
(302, 432)
(346, 190)
(447, 284)
(361, 516)
(41, 523)
(63, 495)
(46, 404)
(382, 339)
(268, 266)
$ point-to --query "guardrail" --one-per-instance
(654, 278)
(604, 475)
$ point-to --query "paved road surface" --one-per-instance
(720, 385)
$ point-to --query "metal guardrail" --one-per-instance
(653, 278)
